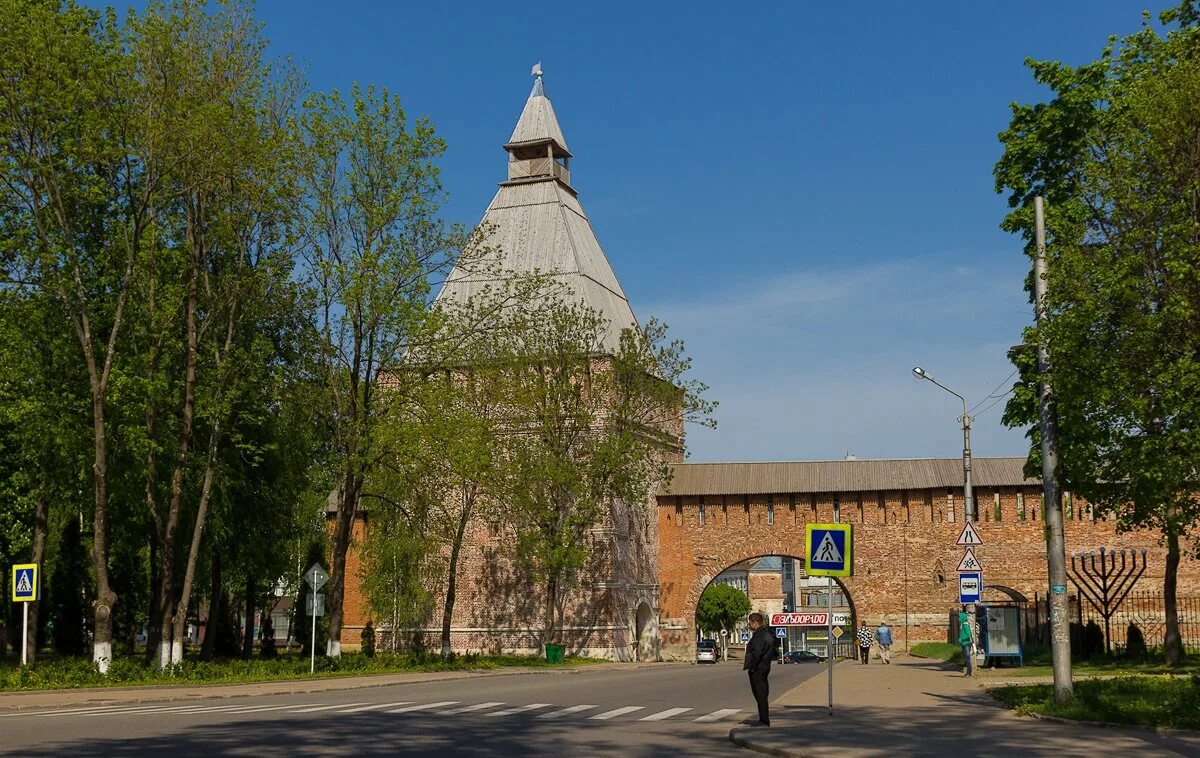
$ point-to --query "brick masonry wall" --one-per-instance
(905, 557)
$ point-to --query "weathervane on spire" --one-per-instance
(537, 70)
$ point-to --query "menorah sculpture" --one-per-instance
(1105, 583)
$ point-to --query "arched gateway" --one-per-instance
(907, 516)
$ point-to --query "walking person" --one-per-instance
(964, 639)
(883, 636)
(865, 638)
(759, 652)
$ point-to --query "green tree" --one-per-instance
(69, 592)
(1114, 153)
(80, 182)
(586, 433)
(720, 608)
(373, 239)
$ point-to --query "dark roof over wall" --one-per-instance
(841, 476)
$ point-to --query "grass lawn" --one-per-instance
(1037, 663)
(940, 651)
(68, 673)
(1143, 700)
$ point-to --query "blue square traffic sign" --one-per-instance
(830, 549)
(25, 583)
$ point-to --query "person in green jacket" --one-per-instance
(964, 639)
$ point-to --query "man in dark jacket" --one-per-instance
(759, 652)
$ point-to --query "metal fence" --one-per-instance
(1144, 609)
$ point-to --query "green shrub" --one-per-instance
(368, 640)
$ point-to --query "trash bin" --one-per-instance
(554, 653)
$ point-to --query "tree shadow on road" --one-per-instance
(379, 734)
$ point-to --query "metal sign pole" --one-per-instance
(312, 648)
(25, 636)
(829, 641)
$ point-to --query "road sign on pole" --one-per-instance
(316, 576)
(830, 550)
(745, 637)
(970, 586)
(969, 537)
(781, 631)
(25, 591)
(969, 562)
(319, 598)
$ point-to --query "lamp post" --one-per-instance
(968, 492)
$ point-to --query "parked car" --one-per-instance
(708, 652)
(802, 656)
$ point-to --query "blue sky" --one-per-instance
(802, 190)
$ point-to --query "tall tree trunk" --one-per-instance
(452, 579)
(216, 590)
(168, 645)
(248, 637)
(1172, 643)
(153, 631)
(337, 574)
(185, 596)
(106, 599)
(37, 555)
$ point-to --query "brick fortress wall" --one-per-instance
(905, 554)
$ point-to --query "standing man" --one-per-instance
(964, 639)
(883, 635)
(759, 652)
(865, 638)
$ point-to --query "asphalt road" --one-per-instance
(658, 710)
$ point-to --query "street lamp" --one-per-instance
(968, 491)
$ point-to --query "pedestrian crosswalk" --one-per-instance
(490, 709)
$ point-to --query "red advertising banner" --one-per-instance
(799, 619)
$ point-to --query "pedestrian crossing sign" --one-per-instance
(830, 550)
(25, 583)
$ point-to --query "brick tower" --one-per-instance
(538, 224)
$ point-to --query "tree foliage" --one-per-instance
(721, 606)
(1115, 154)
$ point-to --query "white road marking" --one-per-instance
(258, 708)
(616, 712)
(470, 708)
(74, 711)
(566, 711)
(316, 708)
(424, 707)
(519, 709)
(718, 715)
(211, 709)
(376, 707)
(661, 715)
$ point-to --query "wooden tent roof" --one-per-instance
(539, 225)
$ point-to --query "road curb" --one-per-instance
(737, 739)
(163, 693)
(1161, 731)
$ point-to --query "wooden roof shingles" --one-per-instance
(841, 476)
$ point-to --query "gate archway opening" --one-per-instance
(794, 605)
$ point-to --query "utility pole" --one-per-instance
(1056, 551)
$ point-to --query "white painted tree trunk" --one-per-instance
(102, 655)
(164, 654)
(334, 649)
(177, 651)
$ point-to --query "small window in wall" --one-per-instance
(701, 511)
(1069, 506)
(837, 508)
(770, 509)
(1020, 506)
(950, 505)
(996, 505)
(678, 509)
(905, 506)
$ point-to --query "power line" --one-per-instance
(993, 394)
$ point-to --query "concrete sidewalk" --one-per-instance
(920, 707)
(48, 699)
